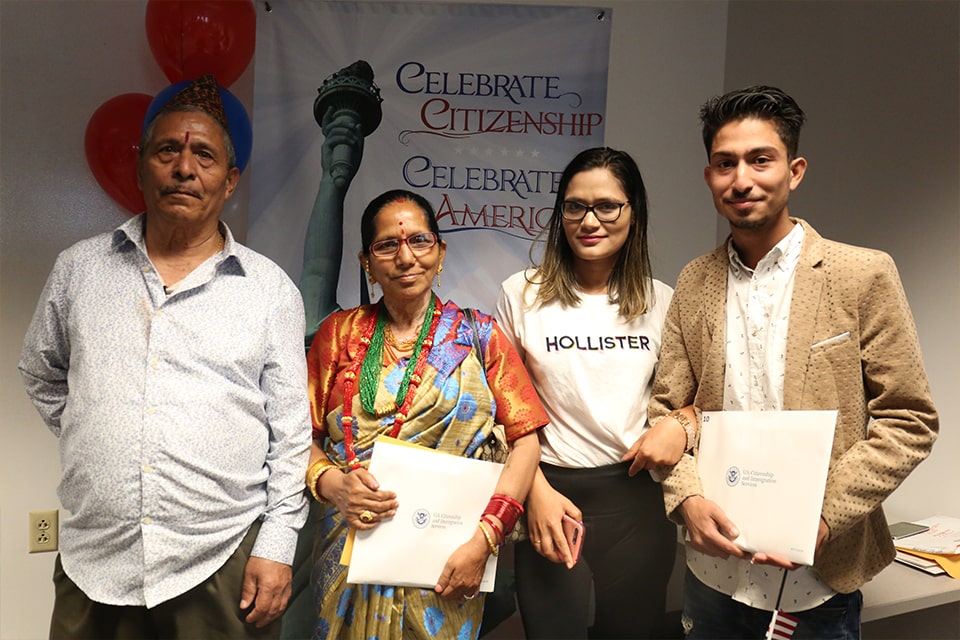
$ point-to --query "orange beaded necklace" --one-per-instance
(367, 365)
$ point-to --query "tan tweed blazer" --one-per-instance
(852, 346)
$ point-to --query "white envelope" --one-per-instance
(768, 470)
(441, 500)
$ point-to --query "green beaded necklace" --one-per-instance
(370, 370)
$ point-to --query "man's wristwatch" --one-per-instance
(684, 421)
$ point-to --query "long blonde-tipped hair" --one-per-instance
(629, 284)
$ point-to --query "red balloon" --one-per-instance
(189, 38)
(112, 144)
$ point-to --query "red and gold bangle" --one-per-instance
(493, 525)
(509, 500)
(505, 509)
(493, 547)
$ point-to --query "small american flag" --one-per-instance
(782, 626)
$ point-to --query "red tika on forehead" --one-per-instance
(203, 94)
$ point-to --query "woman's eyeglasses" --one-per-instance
(418, 244)
(604, 211)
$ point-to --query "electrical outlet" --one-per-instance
(44, 531)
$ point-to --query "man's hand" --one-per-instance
(711, 531)
(266, 587)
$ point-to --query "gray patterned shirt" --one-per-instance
(181, 418)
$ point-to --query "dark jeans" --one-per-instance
(708, 613)
(628, 552)
(211, 610)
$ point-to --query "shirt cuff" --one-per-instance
(276, 542)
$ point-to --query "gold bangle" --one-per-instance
(684, 421)
(493, 547)
(316, 470)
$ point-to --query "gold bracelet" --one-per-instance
(493, 547)
(316, 470)
(684, 421)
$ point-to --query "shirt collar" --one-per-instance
(132, 231)
(785, 254)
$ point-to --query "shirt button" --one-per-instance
(147, 468)
(147, 520)
(151, 411)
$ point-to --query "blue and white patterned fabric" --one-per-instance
(182, 417)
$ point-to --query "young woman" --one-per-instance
(587, 322)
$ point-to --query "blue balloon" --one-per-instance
(241, 130)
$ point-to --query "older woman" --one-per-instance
(406, 367)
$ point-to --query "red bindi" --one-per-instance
(402, 233)
(186, 137)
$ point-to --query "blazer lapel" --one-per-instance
(710, 391)
(804, 313)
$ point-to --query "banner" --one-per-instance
(476, 107)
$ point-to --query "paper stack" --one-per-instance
(939, 545)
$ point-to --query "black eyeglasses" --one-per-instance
(418, 244)
(604, 211)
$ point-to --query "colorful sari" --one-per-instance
(454, 410)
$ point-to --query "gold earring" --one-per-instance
(439, 271)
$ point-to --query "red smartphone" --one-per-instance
(573, 531)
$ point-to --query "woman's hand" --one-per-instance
(545, 510)
(463, 572)
(662, 445)
(358, 497)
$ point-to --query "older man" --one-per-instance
(168, 360)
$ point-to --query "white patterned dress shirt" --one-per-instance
(181, 418)
(757, 315)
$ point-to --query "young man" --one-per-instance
(168, 360)
(778, 318)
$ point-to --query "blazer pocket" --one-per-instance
(841, 337)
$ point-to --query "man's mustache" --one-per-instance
(169, 191)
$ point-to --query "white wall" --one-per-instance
(878, 80)
(880, 84)
(59, 61)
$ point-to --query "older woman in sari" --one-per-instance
(407, 367)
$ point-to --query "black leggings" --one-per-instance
(628, 552)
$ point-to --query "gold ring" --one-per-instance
(366, 517)
(536, 542)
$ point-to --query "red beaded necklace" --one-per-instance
(350, 380)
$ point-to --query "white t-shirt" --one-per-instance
(592, 369)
